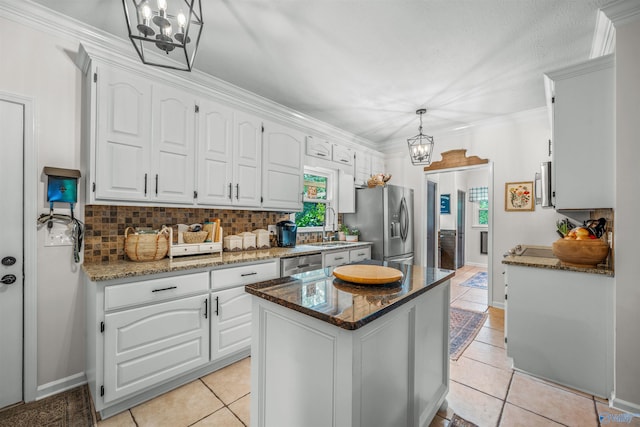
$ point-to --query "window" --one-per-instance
(479, 196)
(318, 198)
(481, 213)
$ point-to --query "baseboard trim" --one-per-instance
(58, 386)
(623, 405)
(497, 304)
(476, 264)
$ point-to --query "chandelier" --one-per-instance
(421, 145)
(163, 37)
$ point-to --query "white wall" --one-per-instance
(516, 145)
(627, 371)
(39, 66)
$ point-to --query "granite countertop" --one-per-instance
(551, 263)
(322, 296)
(123, 269)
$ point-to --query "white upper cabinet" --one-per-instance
(318, 148)
(172, 165)
(363, 167)
(377, 165)
(144, 142)
(229, 156)
(342, 155)
(247, 159)
(282, 167)
(583, 135)
(123, 136)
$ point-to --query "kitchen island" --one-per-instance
(329, 353)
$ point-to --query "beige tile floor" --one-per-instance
(483, 388)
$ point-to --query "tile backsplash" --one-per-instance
(105, 225)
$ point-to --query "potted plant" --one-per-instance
(352, 235)
(343, 230)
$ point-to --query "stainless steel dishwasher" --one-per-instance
(300, 264)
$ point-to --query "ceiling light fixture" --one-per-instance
(154, 28)
(421, 145)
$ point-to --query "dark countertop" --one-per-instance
(124, 269)
(319, 294)
(551, 263)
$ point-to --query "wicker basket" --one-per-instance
(194, 236)
(146, 247)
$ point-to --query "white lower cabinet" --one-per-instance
(146, 345)
(230, 321)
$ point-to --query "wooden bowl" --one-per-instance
(580, 253)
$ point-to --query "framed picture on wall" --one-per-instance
(518, 196)
(445, 203)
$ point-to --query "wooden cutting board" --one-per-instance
(367, 274)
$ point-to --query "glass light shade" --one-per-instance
(420, 149)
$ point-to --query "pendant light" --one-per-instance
(421, 145)
(162, 36)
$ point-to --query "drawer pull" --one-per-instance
(248, 274)
(303, 265)
(165, 289)
(338, 258)
(361, 254)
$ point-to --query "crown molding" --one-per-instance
(604, 37)
(584, 67)
(109, 49)
(621, 12)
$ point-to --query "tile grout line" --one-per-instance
(504, 401)
(223, 403)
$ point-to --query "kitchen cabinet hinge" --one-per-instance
(505, 297)
(262, 128)
(95, 77)
(197, 108)
(553, 99)
(261, 199)
(102, 327)
(505, 340)
(101, 390)
(195, 194)
(93, 187)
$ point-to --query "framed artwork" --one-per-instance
(518, 196)
(445, 203)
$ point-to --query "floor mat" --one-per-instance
(463, 328)
(71, 408)
(478, 280)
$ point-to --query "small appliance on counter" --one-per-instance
(286, 235)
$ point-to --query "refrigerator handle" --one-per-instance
(404, 219)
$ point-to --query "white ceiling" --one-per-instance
(366, 65)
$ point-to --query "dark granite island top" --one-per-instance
(346, 305)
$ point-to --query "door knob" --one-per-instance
(8, 279)
(8, 260)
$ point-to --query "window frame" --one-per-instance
(330, 201)
(476, 214)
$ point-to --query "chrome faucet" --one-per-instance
(324, 224)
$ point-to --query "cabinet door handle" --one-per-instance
(237, 191)
(217, 306)
(206, 308)
(165, 289)
(344, 161)
(145, 184)
(248, 274)
(321, 154)
(156, 184)
(229, 191)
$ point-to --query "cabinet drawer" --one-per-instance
(185, 249)
(148, 291)
(333, 259)
(360, 254)
(236, 276)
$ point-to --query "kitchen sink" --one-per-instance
(333, 244)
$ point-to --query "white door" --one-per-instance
(11, 251)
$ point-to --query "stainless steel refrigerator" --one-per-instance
(384, 216)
